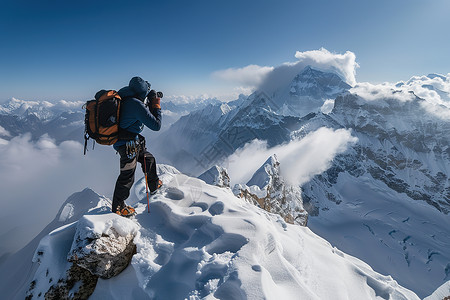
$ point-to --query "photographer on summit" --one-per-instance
(140, 106)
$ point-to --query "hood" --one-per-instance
(137, 87)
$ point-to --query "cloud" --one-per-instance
(4, 132)
(342, 64)
(269, 79)
(433, 89)
(374, 92)
(37, 177)
(299, 160)
(249, 76)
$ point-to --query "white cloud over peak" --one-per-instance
(269, 79)
(343, 64)
(251, 75)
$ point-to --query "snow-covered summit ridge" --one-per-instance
(200, 241)
(216, 175)
(262, 176)
(79, 203)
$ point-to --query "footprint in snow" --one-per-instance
(203, 206)
(174, 193)
(216, 208)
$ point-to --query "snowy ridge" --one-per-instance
(216, 176)
(201, 242)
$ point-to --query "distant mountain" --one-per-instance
(61, 121)
(307, 92)
(64, 120)
(201, 139)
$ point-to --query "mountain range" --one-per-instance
(385, 199)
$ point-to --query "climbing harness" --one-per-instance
(131, 149)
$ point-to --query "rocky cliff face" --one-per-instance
(409, 154)
(392, 186)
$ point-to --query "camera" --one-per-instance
(151, 96)
(154, 94)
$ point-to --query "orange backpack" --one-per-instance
(101, 120)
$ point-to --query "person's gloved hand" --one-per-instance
(156, 102)
(154, 99)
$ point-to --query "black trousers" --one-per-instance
(127, 170)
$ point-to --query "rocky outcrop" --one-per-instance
(268, 190)
(102, 247)
(105, 256)
(79, 284)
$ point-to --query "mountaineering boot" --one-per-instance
(160, 183)
(127, 211)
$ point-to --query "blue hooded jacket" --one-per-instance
(133, 112)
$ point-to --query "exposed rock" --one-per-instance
(104, 253)
(79, 284)
(102, 247)
(268, 190)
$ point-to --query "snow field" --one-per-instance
(200, 241)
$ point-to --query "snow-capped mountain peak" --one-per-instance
(265, 173)
(269, 190)
(317, 84)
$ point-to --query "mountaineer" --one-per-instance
(140, 107)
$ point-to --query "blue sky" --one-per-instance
(53, 50)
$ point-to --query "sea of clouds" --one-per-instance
(37, 177)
